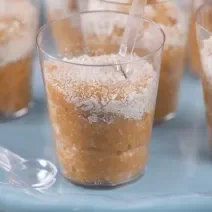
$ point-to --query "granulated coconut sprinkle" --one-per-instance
(176, 34)
(100, 91)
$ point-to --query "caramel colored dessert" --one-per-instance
(101, 121)
(170, 77)
(167, 16)
(18, 23)
(206, 57)
(193, 54)
(15, 78)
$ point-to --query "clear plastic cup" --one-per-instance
(18, 27)
(101, 119)
(204, 35)
(193, 49)
(173, 16)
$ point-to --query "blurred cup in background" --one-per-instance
(174, 17)
(204, 35)
(193, 49)
(19, 20)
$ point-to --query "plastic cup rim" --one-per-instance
(40, 49)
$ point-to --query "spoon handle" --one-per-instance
(132, 27)
(8, 159)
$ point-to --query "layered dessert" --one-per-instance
(206, 56)
(18, 25)
(101, 119)
(173, 18)
(174, 21)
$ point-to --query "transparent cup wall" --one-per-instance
(174, 18)
(204, 34)
(18, 28)
(101, 111)
(193, 49)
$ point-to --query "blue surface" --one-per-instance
(178, 176)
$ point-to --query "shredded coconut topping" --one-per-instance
(176, 34)
(102, 91)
